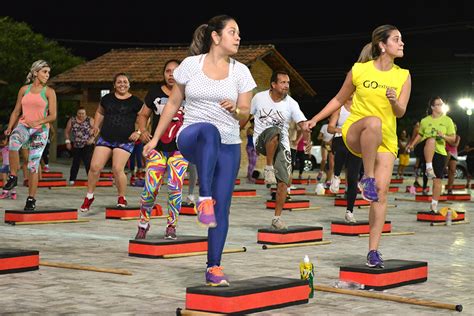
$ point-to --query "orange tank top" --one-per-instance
(34, 106)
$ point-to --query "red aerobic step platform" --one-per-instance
(417, 189)
(48, 183)
(427, 198)
(343, 202)
(244, 192)
(297, 191)
(303, 181)
(13, 216)
(354, 229)
(187, 209)
(158, 247)
(51, 174)
(100, 183)
(18, 260)
(328, 192)
(437, 218)
(294, 234)
(288, 205)
(395, 273)
(248, 296)
(396, 181)
(458, 187)
(107, 174)
(459, 197)
(393, 189)
(114, 212)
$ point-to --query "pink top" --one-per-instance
(301, 144)
(453, 150)
(6, 161)
(34, 106)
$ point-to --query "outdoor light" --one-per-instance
(466, 104)
(469, 112)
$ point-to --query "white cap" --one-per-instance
(306, 259)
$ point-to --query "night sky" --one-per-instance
(322, 43)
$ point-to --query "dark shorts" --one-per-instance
(439, 162)
(282, 159)
(128, 147)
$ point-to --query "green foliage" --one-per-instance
(19, 48)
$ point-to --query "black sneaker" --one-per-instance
(30, 204)
(11, 183)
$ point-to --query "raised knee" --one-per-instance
(374, 123)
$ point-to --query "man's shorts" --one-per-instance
(404, 159)
(282, 159)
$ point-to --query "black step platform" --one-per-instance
(294, 234)
(39, 215)
(288, 205)
(395, 273)
(158, 247)
(187, 209)
(248, 296)
(354, 229)
(18, 260)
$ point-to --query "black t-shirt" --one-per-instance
(157, 98)
(119, 117)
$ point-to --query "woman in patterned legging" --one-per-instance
(218, 90)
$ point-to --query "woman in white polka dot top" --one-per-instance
(218, 91)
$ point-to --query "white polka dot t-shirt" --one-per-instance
(203, 95)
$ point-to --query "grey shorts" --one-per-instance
(282, 159)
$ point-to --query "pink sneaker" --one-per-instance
(205, 209)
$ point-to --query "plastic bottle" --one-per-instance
(307, 273)
(348, 285)
(449, 218)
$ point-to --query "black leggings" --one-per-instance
(78, 154)
(342, 156)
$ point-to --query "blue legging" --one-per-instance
(217, 166)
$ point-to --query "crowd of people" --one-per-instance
(196, 115)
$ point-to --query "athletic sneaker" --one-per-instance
(141, 233)
(374, 259)
(191, 199)
(278, 224)
(170, 232)
(368, 189)
(349, 217)
(121, 202)
(13, 195)
(269, 175)
(335, 182)
(86, 205)
(430, 173)
(412, 190)
(426, 191)
(216, 277)
(30, 204)
(319, 176)
(5, 194)
(205, 215)
(11, 183)
(46, 168)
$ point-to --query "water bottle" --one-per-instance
(307, 273)
(348, 285)
(449, 218)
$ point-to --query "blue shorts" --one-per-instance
(5, 169)
(128, 147)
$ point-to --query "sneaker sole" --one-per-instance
(212, 225)
(221, 284)
(374, 265)
(171, 238)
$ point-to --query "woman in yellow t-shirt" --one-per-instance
(381, 93)
(435, 130)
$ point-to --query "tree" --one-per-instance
(19, 48)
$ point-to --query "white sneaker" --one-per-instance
(191, 199)
(278, 224)
(430, 173)
(269, 175)
(334, 187)
(71, 182)
(350, 217)
(292, 187)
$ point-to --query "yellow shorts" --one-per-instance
(404, 159)
(387, 145)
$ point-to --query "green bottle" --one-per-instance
(307, 273)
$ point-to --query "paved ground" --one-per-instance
(157, 286)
